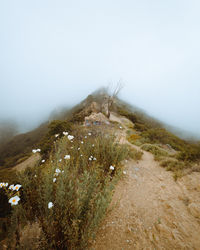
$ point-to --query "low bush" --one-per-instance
(177, 167)
(135, 154)
(80, 192)
(155, 150)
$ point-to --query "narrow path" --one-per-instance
(149, 210)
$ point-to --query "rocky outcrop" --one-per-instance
(96, 119)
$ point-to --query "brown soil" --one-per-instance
(149, 210)
(30, 162)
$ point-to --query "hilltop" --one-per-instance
(101, 170)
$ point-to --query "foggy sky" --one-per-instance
(55, 53)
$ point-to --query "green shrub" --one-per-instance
(177, 167)
(155, 150)
(55, 127)
(80, 194)
(135, 154)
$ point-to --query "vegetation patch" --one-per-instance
(155, 150)
(67, 196)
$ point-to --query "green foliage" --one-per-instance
(177, 167)
(58, 126)
(55, 127)
(80, 195)
(155, 150)
(135, 154)
(153, 132)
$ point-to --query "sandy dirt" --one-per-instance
(149, 210)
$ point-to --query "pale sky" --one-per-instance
(55, 53)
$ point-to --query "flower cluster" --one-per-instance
(91, 158)
(65, 133)
(36, 150)
(13, 200)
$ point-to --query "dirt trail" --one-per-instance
(149, 210)
(30, 162)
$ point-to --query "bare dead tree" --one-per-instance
(119, 86)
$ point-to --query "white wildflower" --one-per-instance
(65, 133)
(86, 137)
(94, 159)
(78, 148)
(38, 150)
(112, 168)
(124, 172)
(92, 145)
(34, 151)
(70, 137)
(43, 161)
(11, 186)
(72, 147)
(1, 184)
(50, 204)
(89, 134)
(17, 187)
(14, 200)
(67, 157)
(54, 179)
(6, 184)
(63, 171)
(56, 135)
(35, 175)
(82, 142)
(60, 160)
(58, 170)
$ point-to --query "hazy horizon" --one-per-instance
(54, 54)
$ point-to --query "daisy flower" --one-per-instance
(70, 137)
(14, 200)
(58, 170)
(17, 187)
(56, 135)
(54, 179)
(1, 184)
(50, 205)
(43, 161)
(112, 168)
(65, 133)
(67, 157)
(11, 186)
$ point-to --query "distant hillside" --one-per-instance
(20, 145)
